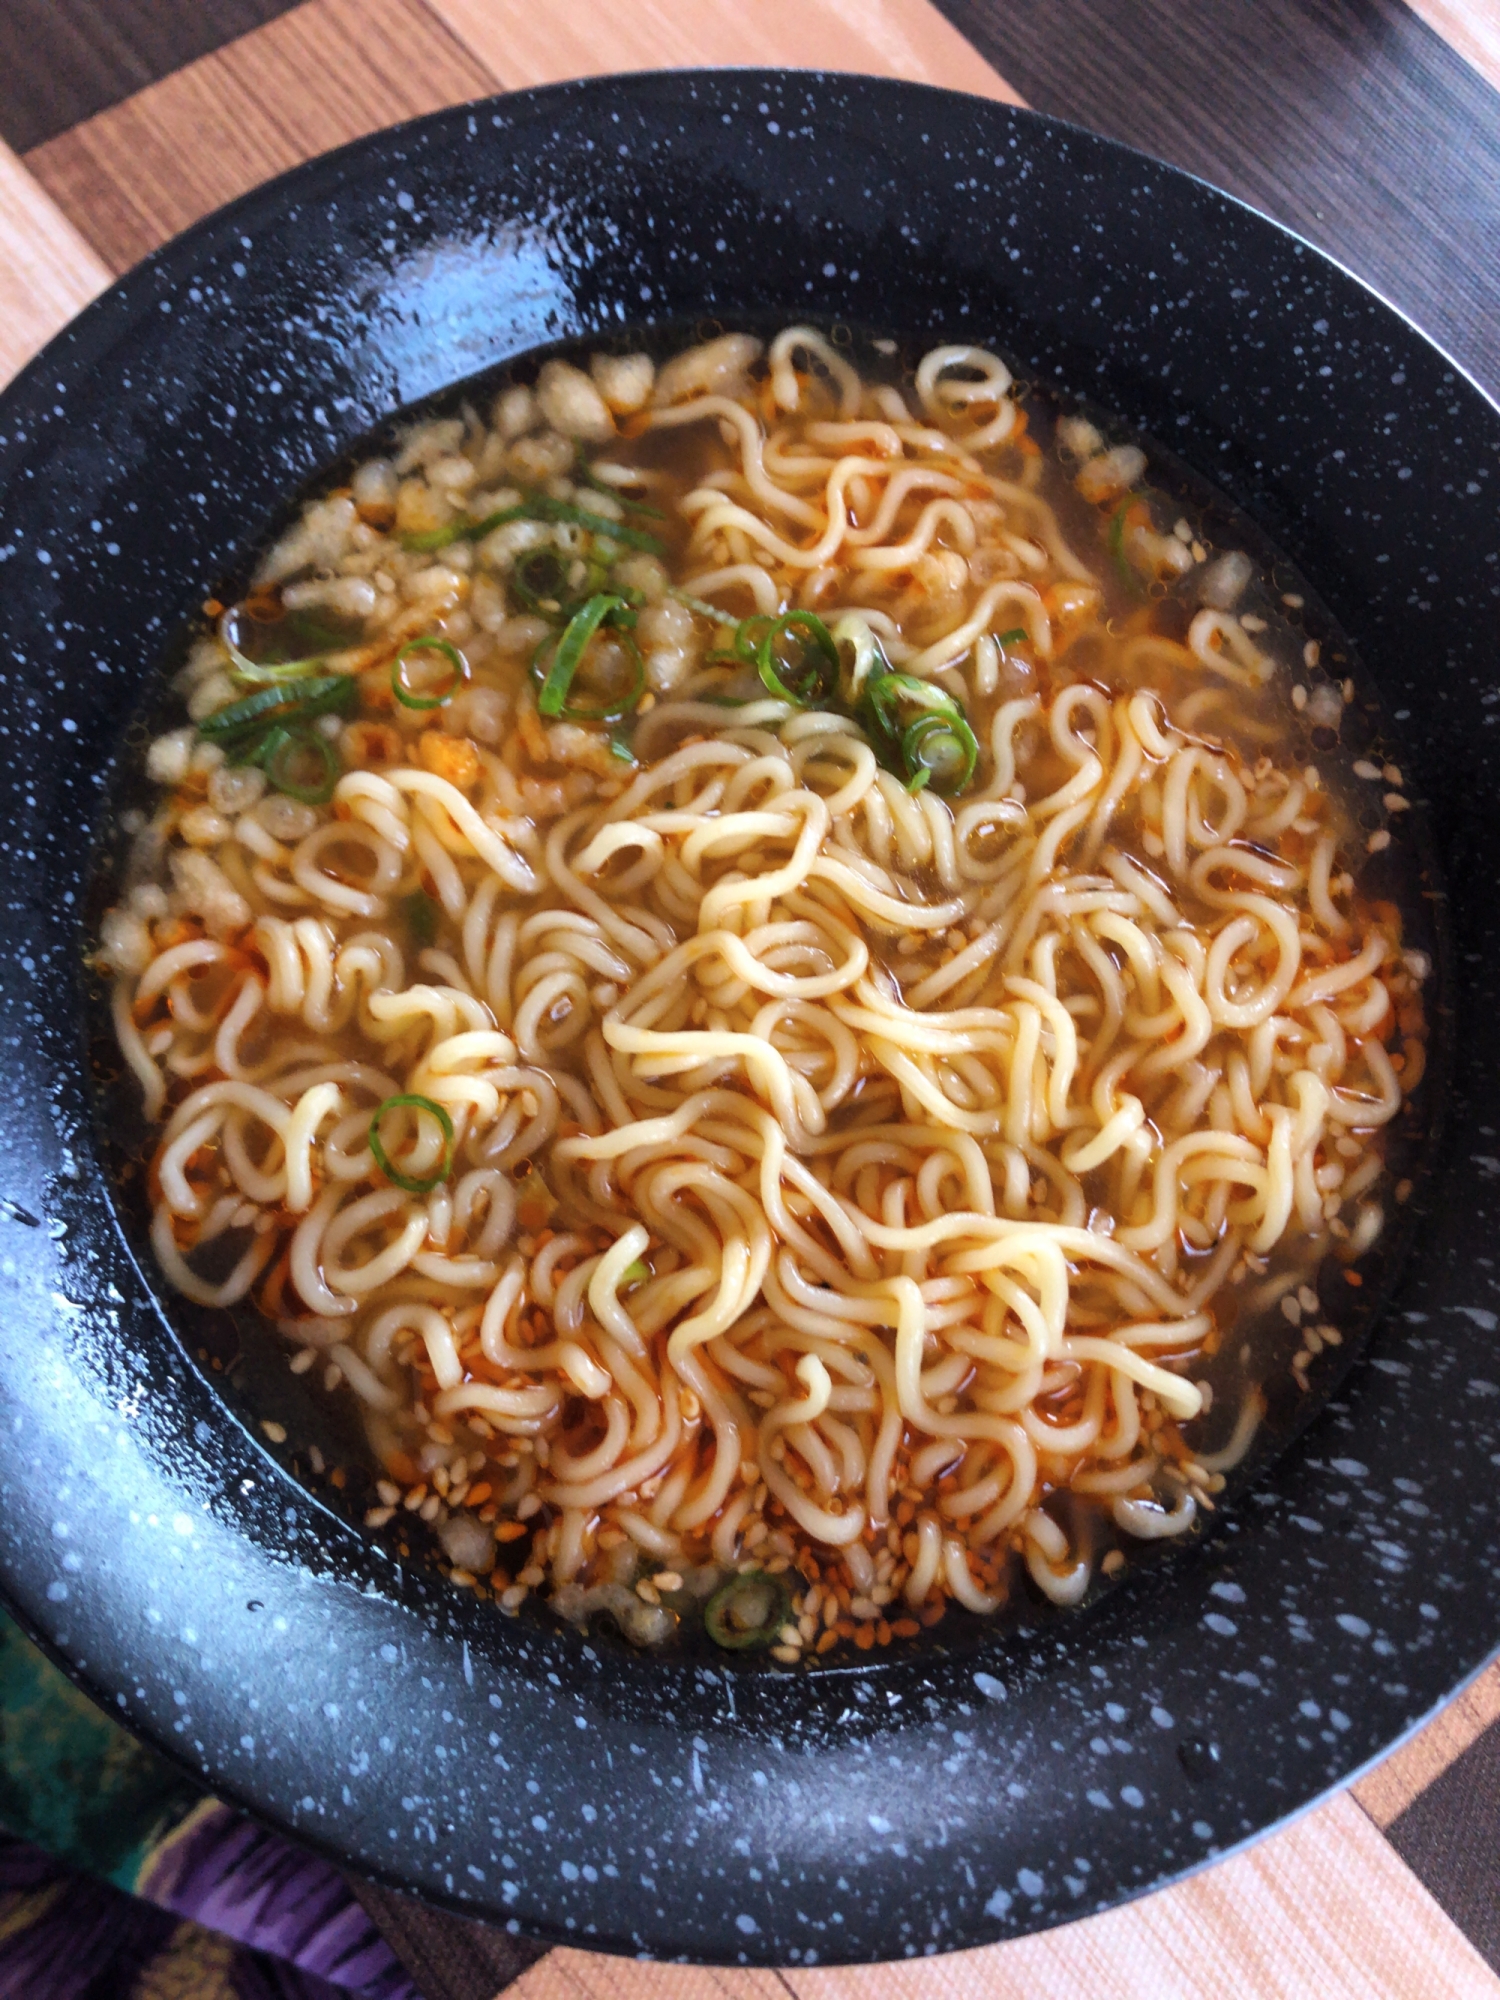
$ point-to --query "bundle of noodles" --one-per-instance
(710, 1150)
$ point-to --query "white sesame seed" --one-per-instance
(275, 1432)
(1378, 842)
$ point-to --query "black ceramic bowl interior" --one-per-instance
(992, 1782)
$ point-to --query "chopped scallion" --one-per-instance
(566, 655)
(407, 695)
(807, 676)
(745, 1614)
(411, 1183)
(286, 766)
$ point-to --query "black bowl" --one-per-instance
(178, 1566)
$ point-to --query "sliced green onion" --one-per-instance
(298, 700)
(887, 694)
(265, 673)
(407, 695)
(941, 750)
(567, 654)
(1117, 542)
(1013, 638)
(421, 914)
(408, 1182)
(748, 635)
(745, 1614)
(806, 682)
(635, 1274)
(461, 530)
(280, 770)
(542, 507)
(263, 749)
(618, 747)
(535, 507)
(539, 574)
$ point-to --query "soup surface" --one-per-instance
(757, 958)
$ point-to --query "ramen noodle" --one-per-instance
(742, 953)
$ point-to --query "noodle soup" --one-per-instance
(780, 972)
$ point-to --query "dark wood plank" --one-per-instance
(1447, 1838)
(449, 1957)
(63, 60)
(326, 72)
(1351, 120)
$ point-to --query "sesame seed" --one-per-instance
(1378, 842)
(275, 1432)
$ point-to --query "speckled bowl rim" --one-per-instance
(156, 1546)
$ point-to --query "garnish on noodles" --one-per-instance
(767, 1051)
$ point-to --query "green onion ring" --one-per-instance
(748, 635)
(245, 669)
(408, 1182)
(567, 653)
(924, 735)
(431, 644)
(752, 1638)
(885, 693)
(274, 757)
(1013, 638)
(824, 681)
(532, 590)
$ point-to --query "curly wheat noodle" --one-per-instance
(809, 1174)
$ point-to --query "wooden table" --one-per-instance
(1372, 127)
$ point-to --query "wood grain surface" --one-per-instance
(1375, 131)
(327, 72)
(1471, 30)
(75, 57)
(1322, 1911)
(47, 271)
(1350, 120)
(523, 43)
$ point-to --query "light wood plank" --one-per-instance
(1470, 27)
(1326, 1907)
(526, 43)
(47, 271)
(1390, 1787)
(322, 74)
